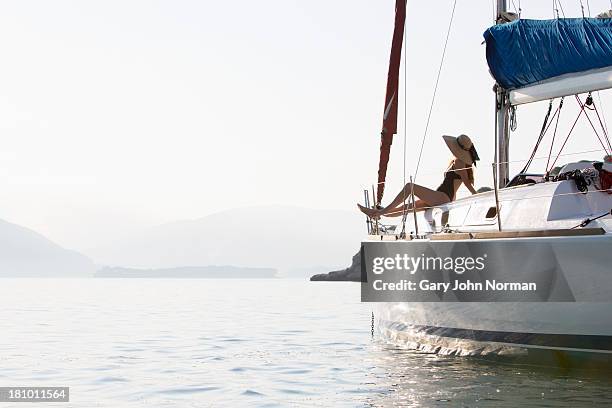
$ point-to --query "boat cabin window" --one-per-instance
(491, 213)
(444, 220)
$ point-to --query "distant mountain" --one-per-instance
(294, 240)
(25, 253)
(201, 272)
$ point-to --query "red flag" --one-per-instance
(389, 127)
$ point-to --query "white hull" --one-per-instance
(583, 263)
(582, 325)
(463, 327)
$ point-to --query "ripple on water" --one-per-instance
(337, 343)
(252, 393)
(111, 380)
(293, 331)
(238, 369)
(188, 390)
(294, 392)
(104, 368)
(330, 361)
(293, 372)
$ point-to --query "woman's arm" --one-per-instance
(464, 176)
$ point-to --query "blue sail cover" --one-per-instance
(524, 52)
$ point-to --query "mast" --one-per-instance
(502, 109)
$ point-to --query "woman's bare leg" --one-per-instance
(431, 197)
(399, 211)
(428, 198)
(393, 212)
(370, 212)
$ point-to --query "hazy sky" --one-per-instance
(121, 114)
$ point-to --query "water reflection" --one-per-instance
(416, 379)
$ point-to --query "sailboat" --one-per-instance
(553, 229)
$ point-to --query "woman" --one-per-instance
(458, 172)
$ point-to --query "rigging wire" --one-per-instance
(518, 10)
(605, 123)
(586, 106)
(404, 209)
(433, 98)
(588, 7)
(542, 133)
(552, 142)
(514, 5)
(561, 7)
(493, 8)
(583, 109)
(566, 139)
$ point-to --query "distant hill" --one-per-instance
(201, 272)
(296, 241)
(25, 253)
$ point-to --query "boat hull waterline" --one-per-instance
(578, 267)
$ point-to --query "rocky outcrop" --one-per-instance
(351, 274)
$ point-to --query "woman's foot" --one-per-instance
(370, 212)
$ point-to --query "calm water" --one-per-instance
(188, 343)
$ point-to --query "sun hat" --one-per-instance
(462, 148)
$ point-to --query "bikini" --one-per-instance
(448, 184)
